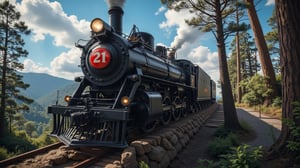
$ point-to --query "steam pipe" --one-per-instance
(115, 18)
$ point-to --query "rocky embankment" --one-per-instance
(160, 147)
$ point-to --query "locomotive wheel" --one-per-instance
(194, 108)
(176, 113)
(149, 126)
(167, 115)
(184, 110)
(199, 107)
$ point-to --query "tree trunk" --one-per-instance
(288, 23)
(238, 61)
(230, 116)
(238, 69)
(250, 63)
(3, 85)
(266, 63)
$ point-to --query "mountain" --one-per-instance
(57, 95)
(43, 90)
(42, 84)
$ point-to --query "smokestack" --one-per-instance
(115, 14)
(171, 54)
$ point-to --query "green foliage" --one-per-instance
(225, 147)
(257, 90)
(219, 146)
(30, 127)
(222, 145)
(3, 153)
(247, 56)
(21, 134)
(142, 164)
(11, 43)
(237, 157)
(242, 156)
(234, 27)
(204, 163)
(222, 132)
(277, 102)
(294, 145)
(33, 128)
(272, 40)
(18, 122)
(17, 144)
(43, 140)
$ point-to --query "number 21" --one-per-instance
(98, 57)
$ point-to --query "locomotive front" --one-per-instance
(97, 113)
(104, 59)
(126, 84)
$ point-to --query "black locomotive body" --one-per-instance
(127, 84)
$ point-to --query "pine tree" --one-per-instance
(242, 27)
(266, 63)
(210, 16)
(248, 60)
(273, 41)
(11, 47)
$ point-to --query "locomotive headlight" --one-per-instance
(125, 101)
(97, 25)
(67, 99)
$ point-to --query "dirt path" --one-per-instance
(189, 156)
(266, 131)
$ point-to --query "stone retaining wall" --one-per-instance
(160, 147)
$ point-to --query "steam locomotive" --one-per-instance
(127, 85)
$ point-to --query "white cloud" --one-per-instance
(31, 66)
(270, 2)
(65, 65)
(48, 18)
(160, 10)
(206, 59)
(185, 33)
(67, 61)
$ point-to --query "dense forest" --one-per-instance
(24, 122)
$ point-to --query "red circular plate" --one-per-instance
(100, 58)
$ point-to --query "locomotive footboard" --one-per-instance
(99, 127)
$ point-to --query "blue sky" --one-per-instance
(57, 25)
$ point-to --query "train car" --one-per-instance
(127, 85)
(203, 85)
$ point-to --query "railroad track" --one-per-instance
(59, 155)
(29, 154)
